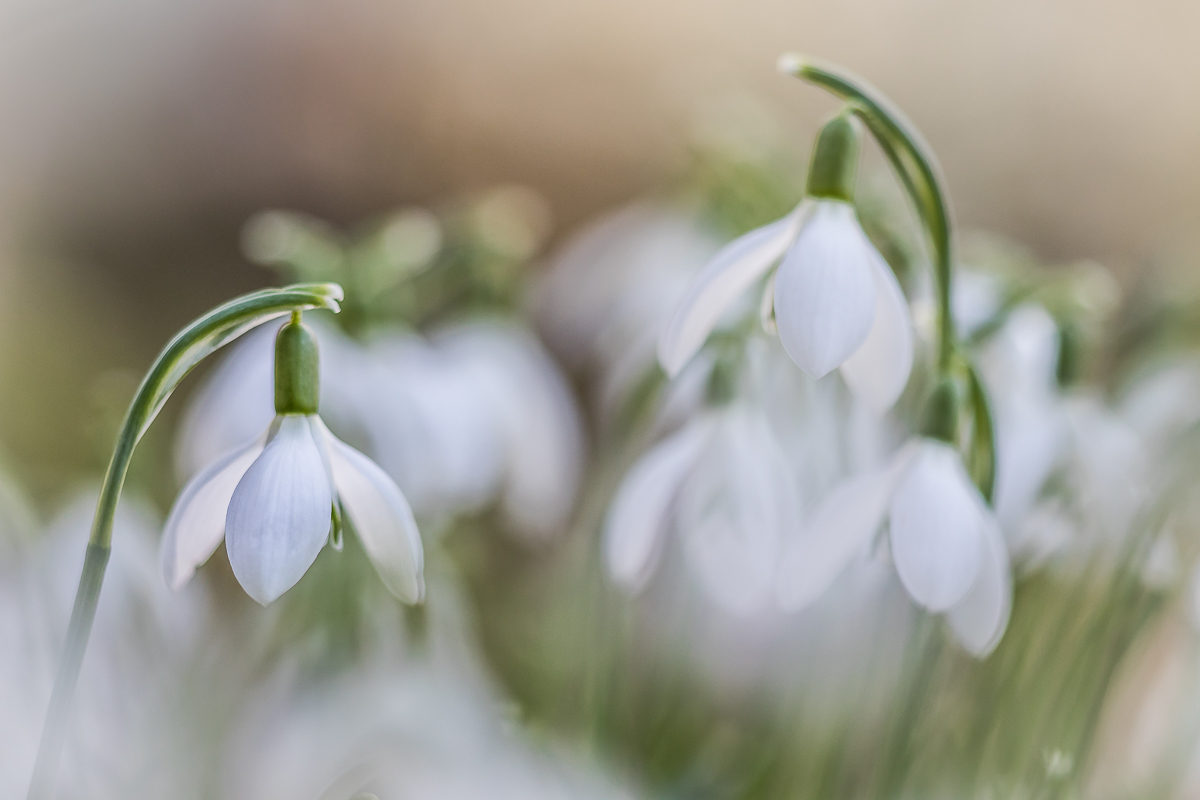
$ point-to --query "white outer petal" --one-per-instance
(842, 527)
(937, 528)
(381, 517)
(637, 518)
(279, 515)
(878, 371)
(735, 510)
(825, 290)
(980, 618)
(196, 523)
(730, 272)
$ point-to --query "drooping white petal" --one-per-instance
(637, 519)
(878, 371)
(825, 290)
(732, 270)
(381, 517)
(937, 528)
(979, 619)
(841, 528)
(735, 509)
(196, 523)
(279, 515)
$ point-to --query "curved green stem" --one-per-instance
(189, 347)
(920, 175)
(915, 166)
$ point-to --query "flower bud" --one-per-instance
(297, 373)
(834, 166)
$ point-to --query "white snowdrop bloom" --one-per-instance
(535, 418)
(947, 548)
(836, 302)
(431, 426)
(724, 487)
(277, 500)
(1019, 368)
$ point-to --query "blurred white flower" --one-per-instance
(535, 417)
(610, 290)
(836, 301)
(1019, 368)
(722, 483)
(1163, 402)
(947, 547)
(135, 731)
(395, 730)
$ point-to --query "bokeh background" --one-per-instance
(137, 137)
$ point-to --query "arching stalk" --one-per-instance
(915, 166)
(189, 347)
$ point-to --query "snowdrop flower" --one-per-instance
(946, 546)
(277, 500)
(535, 419)
(835, 302)
(722, 483)
(1019, 368)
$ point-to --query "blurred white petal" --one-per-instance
(825, 290)
(538, 421)
(196, 524)
(618, 279)
(1030, 443)
(279, 515)
(732, 271)
(841, 528)
(878, 371)
(735, 509)
(434, 428)
(233, 405)
(637, 518)
(978, 620)
(381, 517)
(976, 299)
(937, 528)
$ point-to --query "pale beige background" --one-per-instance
(135, 137)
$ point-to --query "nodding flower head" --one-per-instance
(835, 302)
(279, 499)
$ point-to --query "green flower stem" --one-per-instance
(914, 164)
(189, 347)
(920, 175)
